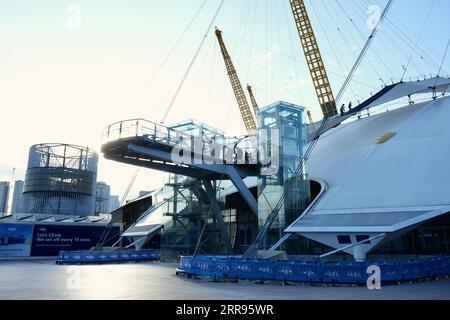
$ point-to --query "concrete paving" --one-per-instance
(43, 279)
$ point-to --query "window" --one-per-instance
(360, 238)
(344, 239)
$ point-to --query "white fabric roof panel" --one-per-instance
(383, 219)
(408, 172)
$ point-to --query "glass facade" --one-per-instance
(282, 138)
(4, 195)
(102, 198)
(433, 237)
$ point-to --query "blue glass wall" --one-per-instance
(282, 131)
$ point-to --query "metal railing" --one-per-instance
(241, 145)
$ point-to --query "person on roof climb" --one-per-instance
(342, 109)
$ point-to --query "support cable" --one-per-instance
(103, 238)
(440, 68)
(349, 17)
(390, 45)
(404, 35)
(418, 39)
(175, 46)
(334, 48)
(191, 64)
(296, 60)
(443, 60)
(364, 51)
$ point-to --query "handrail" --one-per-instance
(174, 136)
(153, 126)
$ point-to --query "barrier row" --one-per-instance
(299, 271)
(86, 257)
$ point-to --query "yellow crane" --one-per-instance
(252, 99)
(246, 113)
(314, 59)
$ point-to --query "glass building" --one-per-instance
(4, 196)
(16, 206)
(102, 198)
(282, 143)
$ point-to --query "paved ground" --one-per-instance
(42, 279)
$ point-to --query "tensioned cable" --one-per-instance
(175, 46)
(349, 17)
(266, 74)
(394, 24)
(393, 48)
(191, 64)
(102, 240)
(418, 38)
(364, 51)
(442, 63)
(334, 48)
(242, 28)
(251, 37)
(293, 58)
(443, 58)
(211, 73)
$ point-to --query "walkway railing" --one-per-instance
(241, 145)
(299, 271)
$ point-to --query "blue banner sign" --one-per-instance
(49, 240)
(15, 239)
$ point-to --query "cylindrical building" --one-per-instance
(60, 179)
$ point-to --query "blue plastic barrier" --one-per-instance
(390, 270)
(222, 268)
(344, 273)
(186, 263)
(92, 257)
(347, 272)
(310, 272)
(286, 271)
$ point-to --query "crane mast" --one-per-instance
(246, 113)
(314, 59)
(252, 99)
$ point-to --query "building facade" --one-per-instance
(16, 206)
(4, 196)
(60, 179)
(113, 203)
(102, 198)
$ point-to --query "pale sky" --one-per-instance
(63, 85)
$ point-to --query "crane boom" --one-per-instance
(314, 59)
(246, 113)
(252, 99)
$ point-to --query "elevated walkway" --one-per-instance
(191, 150)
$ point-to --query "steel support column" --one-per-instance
(243, 189)
(211, 193)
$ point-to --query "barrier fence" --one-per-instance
(299, 271)
(85, 257)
